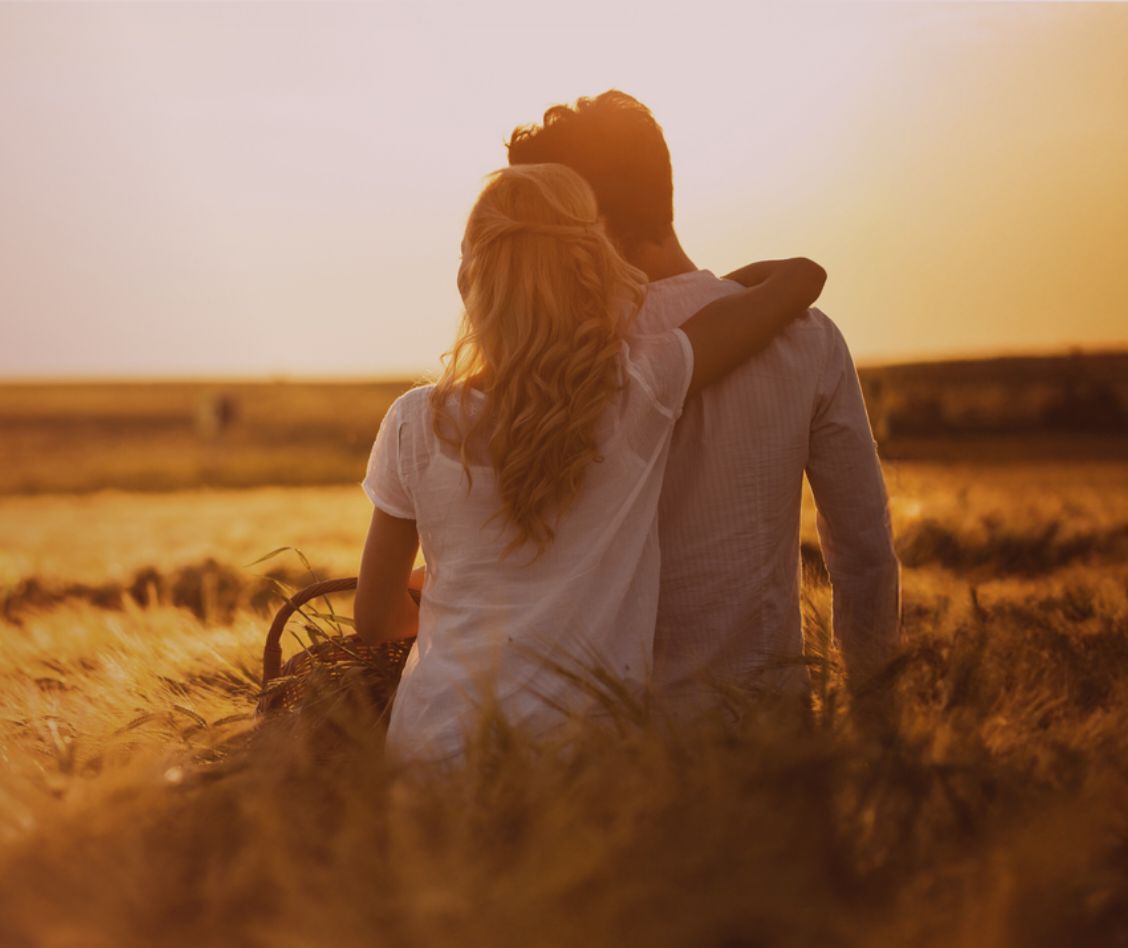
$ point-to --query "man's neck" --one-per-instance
(659, 261)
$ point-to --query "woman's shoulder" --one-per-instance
(661, 364)
(646, 348)
(414, 403)
(406, 428)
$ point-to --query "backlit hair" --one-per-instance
(547, 304)
(618, 148)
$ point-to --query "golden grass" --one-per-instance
(975, 799)
(110, 535)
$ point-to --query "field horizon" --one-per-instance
(905, 360)
(231, 232)
(169, 435)
(971, 795)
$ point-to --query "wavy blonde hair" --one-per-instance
(548, 301)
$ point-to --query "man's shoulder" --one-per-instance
(679, 297)
(815, 323)
(670, 302)
(807, 341)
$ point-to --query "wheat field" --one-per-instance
(978, 797)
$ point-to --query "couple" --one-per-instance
(609, 471)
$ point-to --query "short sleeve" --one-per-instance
(383, 481)
(663, 364)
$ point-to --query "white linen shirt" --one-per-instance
(729, 514)
(490, 626)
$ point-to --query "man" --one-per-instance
(729, 515)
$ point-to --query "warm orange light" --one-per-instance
(218, 189)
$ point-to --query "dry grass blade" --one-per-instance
(972, 793)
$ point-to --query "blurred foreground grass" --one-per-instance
(978, 798)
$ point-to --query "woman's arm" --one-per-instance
(384, 608)
(753, 274)
(732, 329)
(415, 583)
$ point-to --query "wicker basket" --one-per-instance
(286, 687)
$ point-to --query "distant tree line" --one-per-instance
(1075, 394)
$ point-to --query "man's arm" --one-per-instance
(853, 518)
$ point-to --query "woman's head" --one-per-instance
(537, 223)
(547, 303)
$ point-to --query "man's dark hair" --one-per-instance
(613, 142)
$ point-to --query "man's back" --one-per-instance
(730, 509)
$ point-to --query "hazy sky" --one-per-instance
(262, 188)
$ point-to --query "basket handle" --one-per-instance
(272, 653)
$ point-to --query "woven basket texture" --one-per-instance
(329, 661)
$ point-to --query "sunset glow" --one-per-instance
(259, 189)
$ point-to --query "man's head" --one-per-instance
(613, 141)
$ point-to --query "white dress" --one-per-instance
(493, 628)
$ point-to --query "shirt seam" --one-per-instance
(400, 422)
(646, 387)
(687, 353)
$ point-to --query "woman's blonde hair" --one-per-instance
(547, 303)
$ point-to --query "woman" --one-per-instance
(530, 472)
